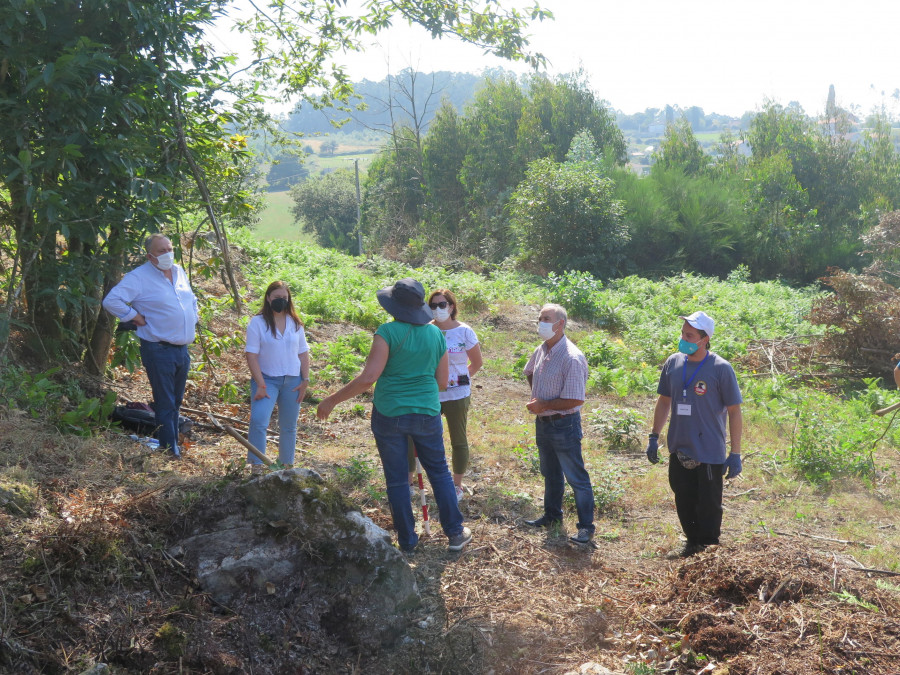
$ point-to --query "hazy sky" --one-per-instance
(723, 56)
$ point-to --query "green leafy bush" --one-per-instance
(527, 453)
(608, 488)
(59, 400)
(621, 428)
(579, 293)
(344, 356)
(359, 471)
(565, 217)
(823, 449)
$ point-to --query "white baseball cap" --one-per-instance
(701, 321)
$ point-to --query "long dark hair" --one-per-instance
(266, 310)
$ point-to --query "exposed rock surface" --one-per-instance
(289, 539)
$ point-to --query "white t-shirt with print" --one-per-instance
(459, 340)
(279, 354)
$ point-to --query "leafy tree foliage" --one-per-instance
(824, 164)
(567, 106)
(394, 194)
(566, 218)
(445, 150)
(94, 152)
(681, 150)
(473, 162)
(326, 205)
(781, 226)
(116, 126)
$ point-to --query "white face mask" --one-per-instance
(440, 314)
(165, 261)
(545, 329)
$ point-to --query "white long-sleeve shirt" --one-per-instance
(278, 353)
(169, 307)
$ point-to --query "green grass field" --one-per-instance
(277, 222)
(318, 164)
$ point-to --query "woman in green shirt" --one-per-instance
(408, 360)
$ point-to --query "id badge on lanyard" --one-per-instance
(684, 408)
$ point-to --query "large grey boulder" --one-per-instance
(290, 534)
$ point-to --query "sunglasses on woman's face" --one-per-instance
(442, 304)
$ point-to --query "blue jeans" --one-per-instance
(559, 449)
(428, 435)
(280, 391)
(167, 369)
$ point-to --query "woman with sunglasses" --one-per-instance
(278, 358)
(465, 360)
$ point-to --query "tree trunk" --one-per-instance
(97, 354)
(39, 274)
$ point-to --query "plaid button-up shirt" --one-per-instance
(559, 372)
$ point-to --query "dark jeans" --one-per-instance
(428, 435)
(559, 449)
(456, 414)
(698, 500)
(167, 369)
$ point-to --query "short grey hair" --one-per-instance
(148, 242)
(559, 310)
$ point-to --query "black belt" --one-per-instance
(555, 416)
(163, 343)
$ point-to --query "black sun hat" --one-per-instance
(405, 301)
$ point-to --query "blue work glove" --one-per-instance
(653, 448)
(732, 466)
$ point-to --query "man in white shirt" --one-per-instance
(158, 299)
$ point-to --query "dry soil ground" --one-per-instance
(85, 577)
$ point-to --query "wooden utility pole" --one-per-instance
(358, 210)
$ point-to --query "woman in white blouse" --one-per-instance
(465, 360)
(278, 358)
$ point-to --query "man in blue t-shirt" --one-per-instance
(700, 390)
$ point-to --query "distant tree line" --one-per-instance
(535, 172)
(371, 105)
(451, 185)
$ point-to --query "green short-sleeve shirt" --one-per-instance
(407, 384)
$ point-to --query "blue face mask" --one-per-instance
(686, 347)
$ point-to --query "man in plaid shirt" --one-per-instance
(558, 373)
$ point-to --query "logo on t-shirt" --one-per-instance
(700, 388)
